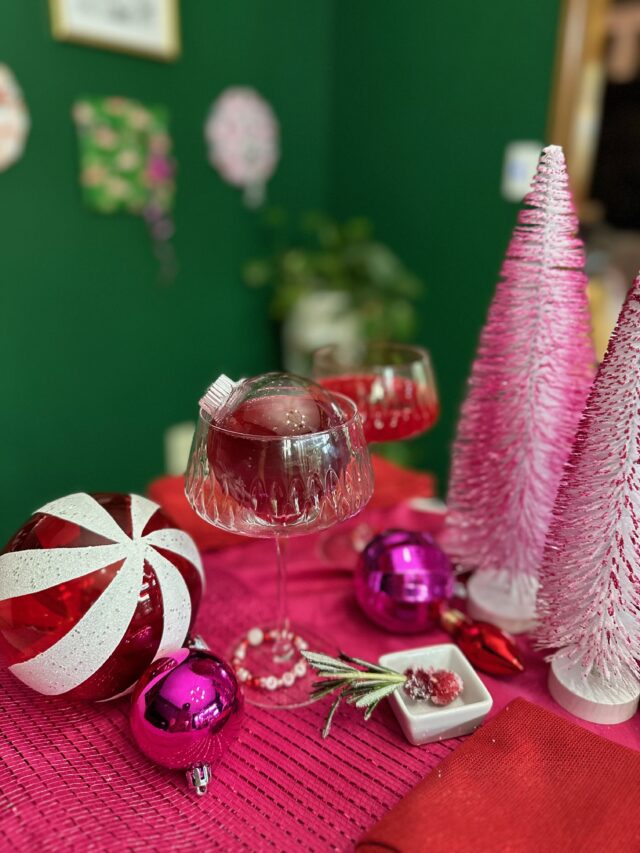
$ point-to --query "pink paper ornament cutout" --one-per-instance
(242, 135)
(589, 598)
(14, 119)
(527, 388)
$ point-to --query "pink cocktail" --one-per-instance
(248, 459)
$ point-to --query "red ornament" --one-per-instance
(93, 588)
(488, 647)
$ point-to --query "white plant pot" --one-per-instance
(322, 318)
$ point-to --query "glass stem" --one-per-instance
(283, 647)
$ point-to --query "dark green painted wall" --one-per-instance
(426, 96)
(96, 357)
(399, 110)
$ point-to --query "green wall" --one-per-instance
(97, 357)
(426, 96)
(399, 110)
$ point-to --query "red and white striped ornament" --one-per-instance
(94, 588)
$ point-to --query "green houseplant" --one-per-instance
(351, 283)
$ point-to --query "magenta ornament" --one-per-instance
(589, 599)
(527, 389)
(186, 711)
(402, 580)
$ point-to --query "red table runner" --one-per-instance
(70, 776)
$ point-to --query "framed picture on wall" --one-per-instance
(145, 27)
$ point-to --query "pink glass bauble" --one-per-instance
(402, 581)
(93, 588)
(278, 483)
(186, 710)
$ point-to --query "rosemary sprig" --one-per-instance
(358, 682)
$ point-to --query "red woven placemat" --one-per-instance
(71, 779)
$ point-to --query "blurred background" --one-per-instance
(394, 140)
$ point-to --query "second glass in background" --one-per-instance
(393, 386)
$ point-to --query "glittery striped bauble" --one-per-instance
(94, 588)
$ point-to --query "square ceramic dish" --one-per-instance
(423, 722)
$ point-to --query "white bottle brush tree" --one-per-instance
(527, 388)
(589, 599)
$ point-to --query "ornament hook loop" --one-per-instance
(199, 778)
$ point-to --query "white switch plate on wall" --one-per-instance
(520, 161)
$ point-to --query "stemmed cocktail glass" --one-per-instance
(277, 456)
(394, 388)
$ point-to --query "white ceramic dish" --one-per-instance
(424, 722)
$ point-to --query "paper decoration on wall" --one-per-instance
(14, 119)
(126, 165)
(243, 139)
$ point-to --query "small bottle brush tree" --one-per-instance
(527, 389)
(589, 598)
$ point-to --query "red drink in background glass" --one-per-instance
(394, 389)
(391, 408)
(392, 385)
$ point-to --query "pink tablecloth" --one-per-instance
(71, 779)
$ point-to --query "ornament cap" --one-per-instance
(451, 619)
(217, 394)
(198, 778)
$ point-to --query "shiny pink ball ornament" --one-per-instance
(186, 711)
(402, 581)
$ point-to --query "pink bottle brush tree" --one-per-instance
(528, 386)
(589, 597)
